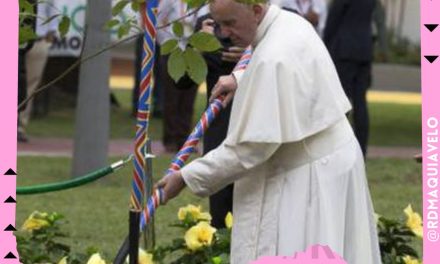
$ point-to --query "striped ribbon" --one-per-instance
(182, 156)
(189, 147)
(153, 202)
(143, 114)
(193, 139)
(244, 60)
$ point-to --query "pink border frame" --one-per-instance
(8, 138)
(430, 43)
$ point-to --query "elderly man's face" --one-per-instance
(237, 21)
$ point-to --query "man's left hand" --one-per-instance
(172, 185)
(233, 54)
(312, 17)
(226, 85)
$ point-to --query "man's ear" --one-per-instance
(258, 11)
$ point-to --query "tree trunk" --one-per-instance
(401, 20)
(92, 125)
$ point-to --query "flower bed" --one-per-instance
(41, 240)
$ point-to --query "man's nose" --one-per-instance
(225, 31)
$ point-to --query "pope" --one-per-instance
(298, 170)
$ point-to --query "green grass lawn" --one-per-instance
(61, 123)
(97, 213)
(395, 124)
(391, 124)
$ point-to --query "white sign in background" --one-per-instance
(71, 44)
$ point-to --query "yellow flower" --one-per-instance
(199, 235)
(414, 221)
(190, 209)
(204, 216)
(143, 257)
(195, 212)
(229, 220)
(408, 260)
(34, 224)
(63, 261)
(376, 218)
(35, 221)
(96, 259)
(43, 215)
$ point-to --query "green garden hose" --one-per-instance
(58, 186)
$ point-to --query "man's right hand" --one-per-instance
(172, 185)
(226, 85)
(208, 26)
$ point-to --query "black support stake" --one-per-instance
(133, 236)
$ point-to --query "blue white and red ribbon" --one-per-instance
(244, 60)
(182, 156)
(190, 145)
(143, 112)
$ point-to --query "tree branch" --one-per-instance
(91, 56)
(72, 67)
(181, 18)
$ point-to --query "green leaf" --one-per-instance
(176, 65)
(406, 250)
(192, 4)
(225, 258)
(64, 26)
(26, 6)
(26, 34)
(135, 6)
(195, 65)
(50, 19)
(123, 30)
(216, 260)
(168, 46)
(26, 14)
(249, 2)
(112, 23)
(204, 42)
(119, 6)
(178, 29)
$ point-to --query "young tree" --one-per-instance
(92, 127)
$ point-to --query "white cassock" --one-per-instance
(298, 170)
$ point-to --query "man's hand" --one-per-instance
(233, 54)
(226, 85)
(208, 26)
(172, 185)
(312, 17)
(50, 36)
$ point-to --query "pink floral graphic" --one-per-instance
(313, 255)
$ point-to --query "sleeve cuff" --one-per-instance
(192, 183)
(237, 75)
